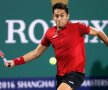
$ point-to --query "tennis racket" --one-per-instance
(2, 55)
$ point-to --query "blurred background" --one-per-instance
(22, 26)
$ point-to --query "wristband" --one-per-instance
(19, 61)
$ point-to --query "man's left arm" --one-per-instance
(100, 34)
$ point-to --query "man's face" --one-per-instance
(60, 17)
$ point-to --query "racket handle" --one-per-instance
(4, 59)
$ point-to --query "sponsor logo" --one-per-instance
(71, 82)
(55, 36)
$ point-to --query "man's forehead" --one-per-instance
(59, 11)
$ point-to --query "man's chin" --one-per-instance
(60, 27)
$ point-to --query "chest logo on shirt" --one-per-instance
(55, 36)
(71, 82)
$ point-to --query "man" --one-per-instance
(67, 40)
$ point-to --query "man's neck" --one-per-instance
(59, 28)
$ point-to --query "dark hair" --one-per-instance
(60, 6)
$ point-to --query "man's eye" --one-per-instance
(62, 15)
(56, 16)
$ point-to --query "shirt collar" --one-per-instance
(67, 24)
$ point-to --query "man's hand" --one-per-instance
(9, 63)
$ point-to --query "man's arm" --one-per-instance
(27, 57)
(35, 53)
(100, 34)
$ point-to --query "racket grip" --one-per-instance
(4, 59)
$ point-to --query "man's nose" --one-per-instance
(59, 18)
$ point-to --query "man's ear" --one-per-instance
(68, 16)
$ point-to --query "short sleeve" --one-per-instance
(45, 41)
(84, 29)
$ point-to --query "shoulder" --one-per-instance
(81, 24)
(51, 29)
(74, 23)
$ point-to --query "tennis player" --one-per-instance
(67, 39)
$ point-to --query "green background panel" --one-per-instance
(31, 10)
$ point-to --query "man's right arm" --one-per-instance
(35, 53)
(27, 57)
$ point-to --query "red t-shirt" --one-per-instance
(68, 45)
